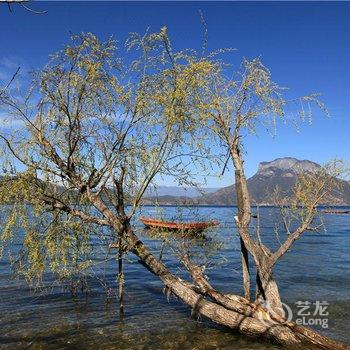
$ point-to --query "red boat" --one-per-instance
(178, 226)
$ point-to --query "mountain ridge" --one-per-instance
(281, 172)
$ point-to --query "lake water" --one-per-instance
(317, 269)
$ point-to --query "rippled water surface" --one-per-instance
(317, 269)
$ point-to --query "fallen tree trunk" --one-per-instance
(241, 305)
(232, 311)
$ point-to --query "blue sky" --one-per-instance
(305, 45)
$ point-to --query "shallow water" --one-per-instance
(317, 269)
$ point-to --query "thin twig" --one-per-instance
(21, 2)
(10, 82)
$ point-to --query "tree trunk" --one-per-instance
(120, 279)
(245, 270)
(268, 290)
(242, 221)
(266, 285)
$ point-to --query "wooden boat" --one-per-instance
(178, 226)
(336, 211)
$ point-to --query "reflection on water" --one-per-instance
(316, 269)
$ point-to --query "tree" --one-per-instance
(100, 130)
(238, 107)
(96, 130)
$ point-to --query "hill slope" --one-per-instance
(281, 172)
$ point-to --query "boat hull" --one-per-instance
(339, 212)
(178, 226)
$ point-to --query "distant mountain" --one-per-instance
(159, 194)
(281, 172)
(188, 192)
(169, 200)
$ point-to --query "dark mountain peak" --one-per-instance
(287, 164)
(282, 173)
